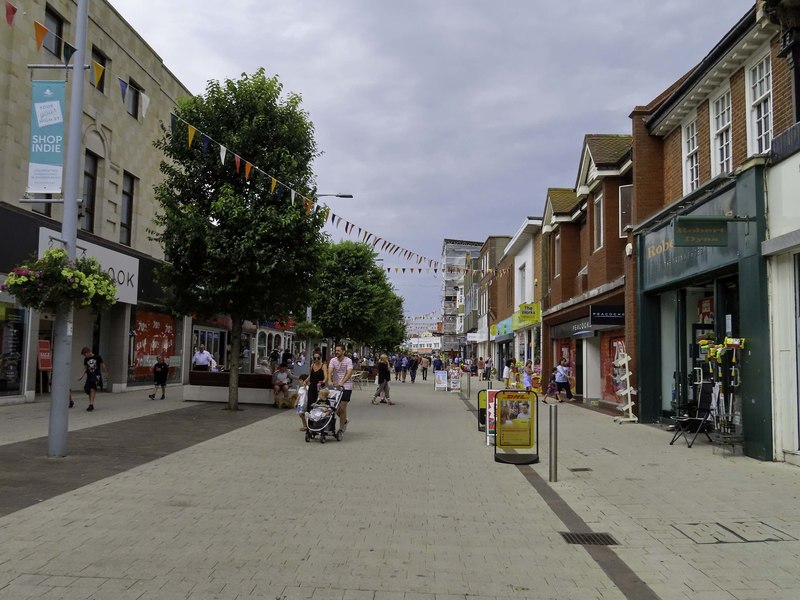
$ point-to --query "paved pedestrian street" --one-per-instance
(171, 500)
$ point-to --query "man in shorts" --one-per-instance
(340, 371)
(94, 369)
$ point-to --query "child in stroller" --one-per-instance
(321, 416)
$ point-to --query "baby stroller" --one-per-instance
(321, 418)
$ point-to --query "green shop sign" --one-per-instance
(701, 231)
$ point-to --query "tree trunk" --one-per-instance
(233, 363)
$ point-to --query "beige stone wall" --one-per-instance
(123, 143)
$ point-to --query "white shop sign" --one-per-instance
(124, 269)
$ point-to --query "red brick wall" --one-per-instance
(673, 167)
(738, 118)
(704, 141)
(782, 110)
(562, 287)
(648, 184)
(503, 283)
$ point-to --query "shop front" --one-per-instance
(703, 315)
(503, 344)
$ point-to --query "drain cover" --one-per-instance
(732, 532)
(589, 539)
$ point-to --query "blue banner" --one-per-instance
(47, 138)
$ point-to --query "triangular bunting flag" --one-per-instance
(272, 185)
(338, 220)
(292, 197)
(173, 122)
(69, 50)
(98, 70)
(123, 88)
(385, 243)
(192, 131)
(222, 152)
(309, 205)
(237, 159)
(205, 141)
(404, 269)
(11, 10)
(333, 218)
(435, 271)
(145, 103)
(388, 269)
(247, 167)
(40, 31)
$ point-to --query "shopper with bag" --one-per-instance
(384, 375)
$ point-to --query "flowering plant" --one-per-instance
(46, 282)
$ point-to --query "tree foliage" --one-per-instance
(354, 299)
(237, 245)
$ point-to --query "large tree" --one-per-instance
(354, 299)
(235, 240)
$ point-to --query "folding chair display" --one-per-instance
(696, 418)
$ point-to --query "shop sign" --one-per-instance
(565, 330)
(516, 419)
(664, 262)
(492, 331)
(45, 356)
(473, 337)
(505, 327)
(607, 314)
(701, 231)
(440, 381)
(124, 269)
(45, 166)
(530, 313)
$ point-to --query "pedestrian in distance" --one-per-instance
(384, 376)
(438, 365)
(527, 374)
(93, 369)
(404, 369)
(425, 363)
(552, 387)
(302, 398)
(507, 374)
(562, 379)
(202, 359)
(487, 374)
(160, 372)
(413, 364)
(481, 369)
(398, 366)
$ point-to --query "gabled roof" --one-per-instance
(562, 200)
(608, 149)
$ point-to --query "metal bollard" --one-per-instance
(553, 442)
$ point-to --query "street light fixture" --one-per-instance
(335, 195)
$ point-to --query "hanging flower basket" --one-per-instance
(53, 279)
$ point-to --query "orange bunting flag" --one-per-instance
(238, 161)
(192, 131)
(273, 185)
(98, 70)
(40, 31)
(247, 167)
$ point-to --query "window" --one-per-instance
(722, 134)
(557, 255)
(625, 208)
(132, 98)
(89, 191)
(126, 208)
(522, 296)
(761, 106)
(55, 32)
(44, 208)
(99, 58)
(597, 219)
(691, 163)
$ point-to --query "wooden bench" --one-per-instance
(208, 386)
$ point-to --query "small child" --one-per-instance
(552, 387)
(302, 395)
(160, 372)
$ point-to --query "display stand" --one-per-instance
(621, 360)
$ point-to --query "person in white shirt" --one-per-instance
(202, 359)
(340, 371)
(280, 381)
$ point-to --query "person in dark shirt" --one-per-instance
(93, 369)
(160, 372)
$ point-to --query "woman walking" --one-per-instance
(562, 379)
(527, 374)
(384, 375)
(317, 375)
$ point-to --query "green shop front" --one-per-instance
(702, 322)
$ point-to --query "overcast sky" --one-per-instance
(444, 118)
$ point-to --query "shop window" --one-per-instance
(625, 208)
(151, 334)
(12, 336)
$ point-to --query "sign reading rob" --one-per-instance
(47, 138)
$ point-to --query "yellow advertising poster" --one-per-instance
(516, 419)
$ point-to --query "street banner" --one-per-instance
(516, 426)
(454, 380)
(440, 381)
(46, 162)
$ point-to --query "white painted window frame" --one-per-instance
(761, 98)
(690, 154)
(557, 254)
(597, 220)
(721, 132)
